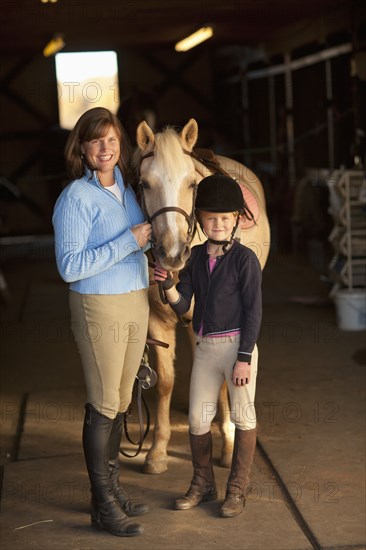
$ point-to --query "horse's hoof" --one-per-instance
(225, 460)
(156, 467)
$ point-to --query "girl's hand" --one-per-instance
(142, 233)
(241, 373)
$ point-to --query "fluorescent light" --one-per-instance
(54, 45)
(204, 33)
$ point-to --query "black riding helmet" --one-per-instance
(220, 193)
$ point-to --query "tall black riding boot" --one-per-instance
(106, 513)
(129, 508)
(203, 486)
(243, 453)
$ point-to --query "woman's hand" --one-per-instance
(241, 373)
(142, 233)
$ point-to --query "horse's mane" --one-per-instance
(168, 153)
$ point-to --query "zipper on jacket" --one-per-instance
(207, 293)
(208, 287)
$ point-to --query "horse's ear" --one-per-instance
(189, 134)
(144, 136)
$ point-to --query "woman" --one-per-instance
(100, 238)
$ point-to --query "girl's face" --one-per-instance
(218, 225)
(103, 153)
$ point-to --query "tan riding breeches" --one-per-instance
(110, 332)
(213, 364)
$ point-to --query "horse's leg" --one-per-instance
(156, 461)
(227, 428)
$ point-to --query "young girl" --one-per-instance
(225, 279)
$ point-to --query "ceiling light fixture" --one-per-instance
(204, 33)
(54, 45)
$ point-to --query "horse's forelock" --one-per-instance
(168, 152)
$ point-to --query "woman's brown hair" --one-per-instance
(94, 124)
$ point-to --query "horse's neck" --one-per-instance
(201, 170)
(241, 173)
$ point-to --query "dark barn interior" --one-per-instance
(281, 88)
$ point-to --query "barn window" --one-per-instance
(85, 80)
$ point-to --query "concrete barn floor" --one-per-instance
(308, 476)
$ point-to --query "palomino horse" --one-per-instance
(168, 180)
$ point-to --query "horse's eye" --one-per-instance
(144, 184)
(193, 184)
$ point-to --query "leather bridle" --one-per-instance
(191, 219)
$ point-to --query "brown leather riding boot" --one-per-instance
(203, 486)
(244, 447)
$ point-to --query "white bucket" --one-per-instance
(351, 309)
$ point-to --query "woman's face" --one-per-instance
(102, 154)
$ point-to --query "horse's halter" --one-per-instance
(191, 219)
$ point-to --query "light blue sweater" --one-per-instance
(96, 252)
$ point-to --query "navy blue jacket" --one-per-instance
(228, 299)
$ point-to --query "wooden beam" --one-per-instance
(174, 77)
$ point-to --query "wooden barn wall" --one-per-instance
(29, 110)
(180, 86)
(255, 117)
(309, 114)
(32, 144)
(202, 84)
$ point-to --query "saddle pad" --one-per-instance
(252, 203)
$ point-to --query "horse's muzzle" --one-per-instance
(172, 262)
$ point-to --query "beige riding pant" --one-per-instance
(110, 332)
(213, 364)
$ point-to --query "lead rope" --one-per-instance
(146, 378)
